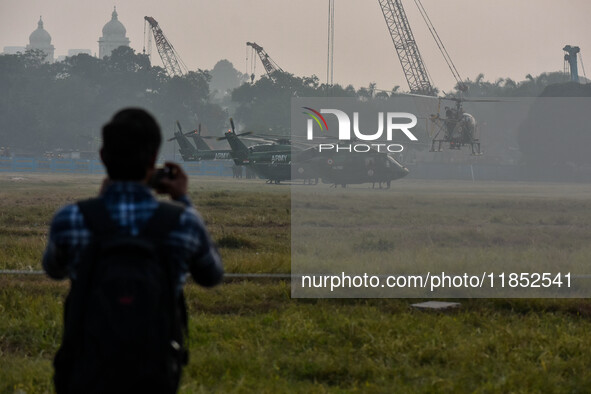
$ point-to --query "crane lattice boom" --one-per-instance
(268, 63)
(406, 47)
(570, 56)
(171, 60)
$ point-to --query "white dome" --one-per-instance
(40, 37)
(114, 28)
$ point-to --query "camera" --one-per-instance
(159, 175)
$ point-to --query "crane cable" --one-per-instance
(439, 42)
(582, 65)
(253, 64)
(246, 61)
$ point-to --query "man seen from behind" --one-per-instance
(127, 256)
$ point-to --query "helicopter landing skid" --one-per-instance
(454, 145)
(438, 146)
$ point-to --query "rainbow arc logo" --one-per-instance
(316, 116)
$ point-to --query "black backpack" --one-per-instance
(124, 322)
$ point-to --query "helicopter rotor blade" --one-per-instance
(274, 137)
(237, 135)
(178, 135)
(474, 100)
(458, 99)
(259, 139)
(420, 95)
(178, 125)
(180, 132)
(232, 124)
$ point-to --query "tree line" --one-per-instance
(64, 104)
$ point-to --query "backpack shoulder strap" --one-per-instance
(97, 217)
(163, 220)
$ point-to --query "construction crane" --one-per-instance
(172, 62)
(406, 47)
(570, 58)
(456, 127)
(268, 63)
(414, 68)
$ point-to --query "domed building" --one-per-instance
(113, 36)
(40, 39)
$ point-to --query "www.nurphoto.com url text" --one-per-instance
(437, 281)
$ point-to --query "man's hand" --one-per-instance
(177, 185)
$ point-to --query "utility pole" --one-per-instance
(330, 52)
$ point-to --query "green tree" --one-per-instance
(224, 78)
(64, 105)
(506, 87)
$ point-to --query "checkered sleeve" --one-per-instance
(67, 238)
(201, 257)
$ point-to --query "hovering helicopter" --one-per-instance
(458, 127)
(201, 151)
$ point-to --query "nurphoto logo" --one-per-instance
(391, 122)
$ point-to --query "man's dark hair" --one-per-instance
(130, 142)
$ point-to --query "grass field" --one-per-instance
(451, 227)
(250, 336)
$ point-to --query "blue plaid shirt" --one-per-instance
(130, 205)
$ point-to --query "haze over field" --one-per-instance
(500, 38)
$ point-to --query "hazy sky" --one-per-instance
(500, 38)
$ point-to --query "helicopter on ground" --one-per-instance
(279, 160)
(201, 151)
(345, 168)
(270, 160)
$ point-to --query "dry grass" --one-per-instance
(252, 337)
